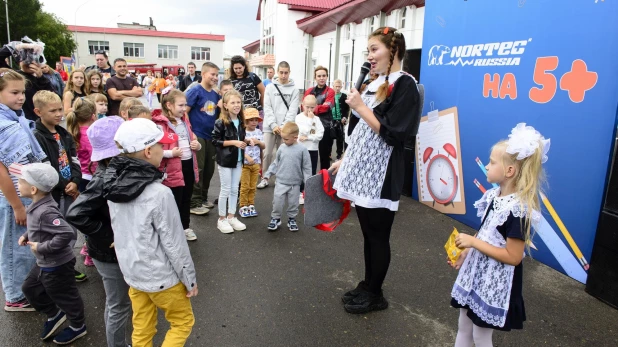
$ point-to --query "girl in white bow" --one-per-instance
(488, 289)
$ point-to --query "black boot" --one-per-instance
(349, 295)
(366, 302)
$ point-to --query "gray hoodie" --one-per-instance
(54, 235)
(275, 112)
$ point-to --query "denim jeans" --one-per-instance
(230, 180)
(15, 261)
(117, 303)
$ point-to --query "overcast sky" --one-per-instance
(233, 18)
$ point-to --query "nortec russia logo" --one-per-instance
(485, 54)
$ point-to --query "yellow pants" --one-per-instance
(178, 312)
(248, 184)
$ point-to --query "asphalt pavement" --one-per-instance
(260, 288)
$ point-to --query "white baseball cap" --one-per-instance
(139, 133)
(41, 175)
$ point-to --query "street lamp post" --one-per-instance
(8, 34)
(75, 30)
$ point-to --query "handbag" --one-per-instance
(324, 210)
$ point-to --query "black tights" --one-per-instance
(376, 225)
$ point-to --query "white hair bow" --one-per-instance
(524, 141)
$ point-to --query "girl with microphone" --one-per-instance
(371, 173)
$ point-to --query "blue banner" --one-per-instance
(488, 65)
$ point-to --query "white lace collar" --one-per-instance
(504, 206)
(373, 86)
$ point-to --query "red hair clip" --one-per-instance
(385, 30)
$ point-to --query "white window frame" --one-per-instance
(402, 18)
(167, 51)
(200, 53)
(96, 45)
(371, 25)
(133, 49)
(345, 63)
(347, 31)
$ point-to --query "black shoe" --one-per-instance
(274, 224)
(366, 302)
(292, 225)
(51, 326)
(216, 202)
(350, 295)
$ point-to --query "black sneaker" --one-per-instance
(51, 326)
(274, 224)
(366, 302)
(292, 225)
(80, 277)
(350, 295)
(69, 335)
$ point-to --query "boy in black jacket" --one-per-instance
(90, 214)
(58, 145)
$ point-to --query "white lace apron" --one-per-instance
(361, 174)
(483, 283)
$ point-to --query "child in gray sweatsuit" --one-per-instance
(292, 166)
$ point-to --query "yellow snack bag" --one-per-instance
(452, 251)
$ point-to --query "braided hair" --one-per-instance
(396, 43)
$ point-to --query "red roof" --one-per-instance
(253, 47)
(323, 4)
(141, 32)
(306, 5)
(348, 12)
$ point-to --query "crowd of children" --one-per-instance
(144, 172)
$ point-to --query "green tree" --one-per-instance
(27, 18)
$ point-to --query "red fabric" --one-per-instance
(63, 75)
(327, 185)
(329, 102)
(173, 166)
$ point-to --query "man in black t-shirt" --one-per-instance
(121, 86)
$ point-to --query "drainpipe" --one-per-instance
(330, 54)
(305, 79)
(352, 64)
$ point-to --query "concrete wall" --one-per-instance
(291, 43)
(151, 49)
(413, 33)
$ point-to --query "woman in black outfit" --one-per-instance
(371, 173)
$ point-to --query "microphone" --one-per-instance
(364, 71)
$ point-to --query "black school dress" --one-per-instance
(516, 315)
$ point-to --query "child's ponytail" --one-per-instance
(83, 111)
(529, 184)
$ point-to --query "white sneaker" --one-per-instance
(301, 200)
(201, 210)
(263, 183)
(224, 226)
(190, 235)
(236, 224)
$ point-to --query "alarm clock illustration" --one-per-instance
(442, 180)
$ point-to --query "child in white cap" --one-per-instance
(50, 286)
(150, 241)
